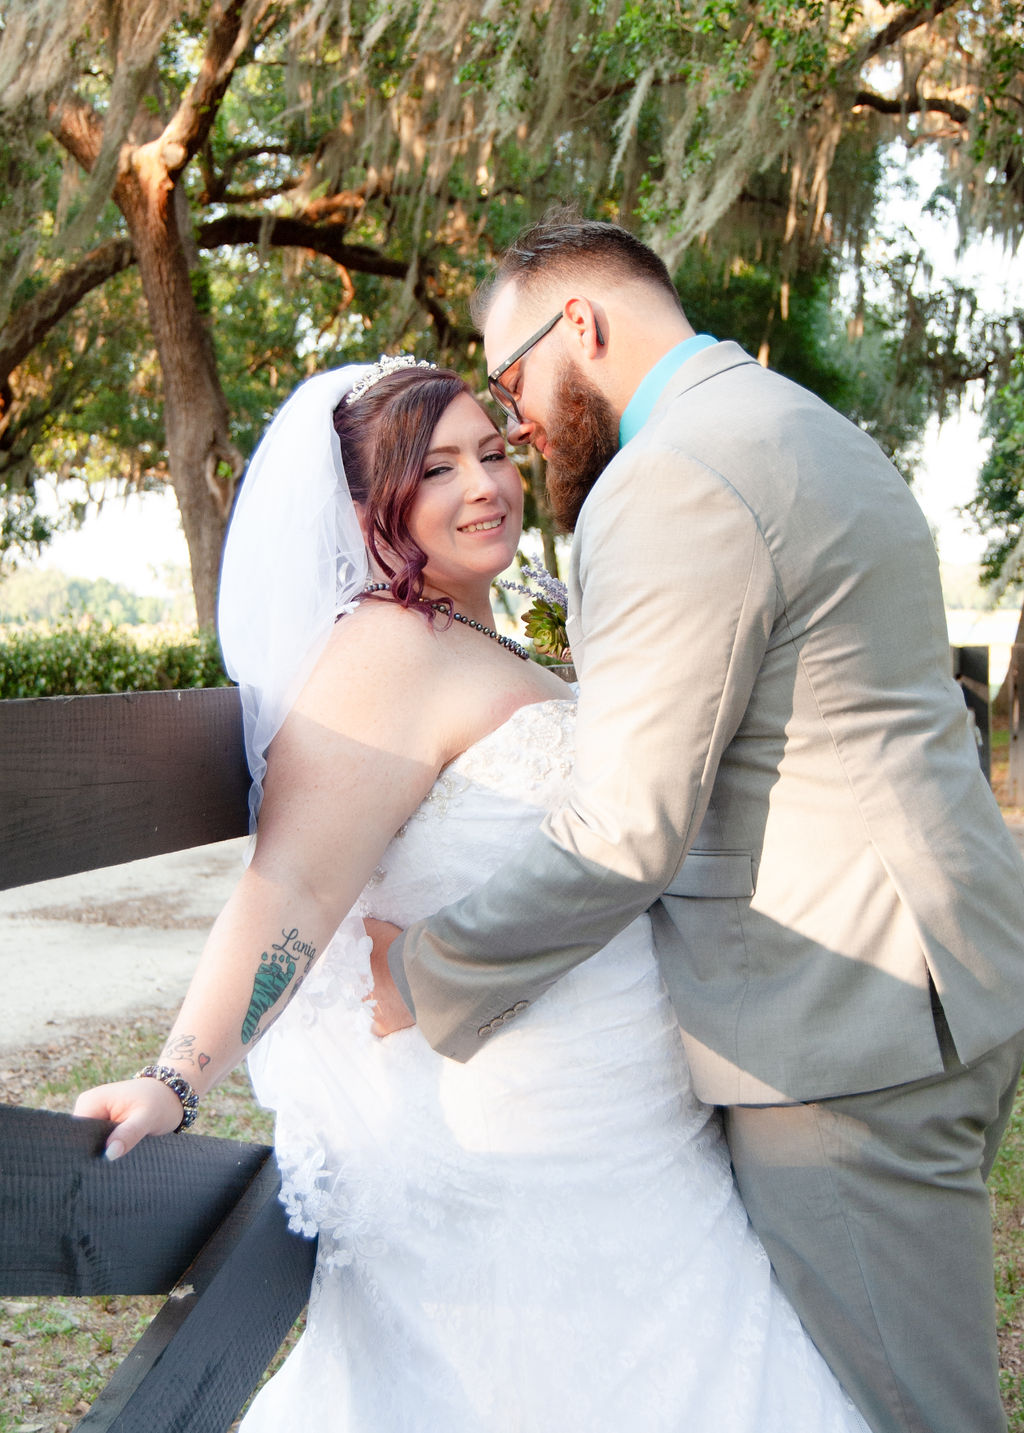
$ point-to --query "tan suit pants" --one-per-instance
(874, 1212)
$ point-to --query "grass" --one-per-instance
(1007, 1182)
(1007, 1187)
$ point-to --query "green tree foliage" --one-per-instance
(333, 177)
(998, 507)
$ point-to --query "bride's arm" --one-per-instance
(357, 754)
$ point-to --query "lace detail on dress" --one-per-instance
(448, 786)
(529, 757)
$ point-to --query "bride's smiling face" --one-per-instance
(467, 514)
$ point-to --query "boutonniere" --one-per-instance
(544, 619)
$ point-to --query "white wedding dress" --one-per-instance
(546, 1239)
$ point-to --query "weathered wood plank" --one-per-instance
(195, 1216)
(92, 781)
(71, 1222)
(206, 1349)
(95, 781)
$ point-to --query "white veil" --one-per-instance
(293, 557)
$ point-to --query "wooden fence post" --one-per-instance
(1015, 678)
(970, 668)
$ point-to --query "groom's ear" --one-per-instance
(586, 322)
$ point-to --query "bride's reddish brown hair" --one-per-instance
(385, 437)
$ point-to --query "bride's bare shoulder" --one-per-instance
(380, 681)
(384, 626)
(380, 647)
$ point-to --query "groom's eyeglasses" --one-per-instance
(498, 391)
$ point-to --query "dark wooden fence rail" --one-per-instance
(88, 782)
(94, 781)
(193, 1217)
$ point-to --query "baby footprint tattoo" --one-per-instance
(275, 973)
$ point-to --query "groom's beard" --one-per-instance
(588, 439)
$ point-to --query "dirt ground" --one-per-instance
(107, 944)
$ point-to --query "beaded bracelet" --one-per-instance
(181, 1087)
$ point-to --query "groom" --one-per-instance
(772, 757)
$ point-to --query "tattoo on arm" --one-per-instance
(179, 1051)
(276, 971)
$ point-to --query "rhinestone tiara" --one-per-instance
(383, 368)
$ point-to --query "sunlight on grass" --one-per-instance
(1007, 1187)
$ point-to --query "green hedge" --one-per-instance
(87, 657)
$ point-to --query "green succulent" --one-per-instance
(545, 627)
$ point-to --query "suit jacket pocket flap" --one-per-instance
(714, 873)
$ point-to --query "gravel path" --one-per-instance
(109, 943)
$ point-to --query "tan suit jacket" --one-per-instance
(772, 756)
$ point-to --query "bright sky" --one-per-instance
(946, 479)
(129, 541)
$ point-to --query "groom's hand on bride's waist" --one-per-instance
(390, 1011)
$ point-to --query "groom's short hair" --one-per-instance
(563, 247)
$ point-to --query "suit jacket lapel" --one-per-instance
(708, 363)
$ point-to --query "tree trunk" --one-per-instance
(1001, 702)
(204, 463)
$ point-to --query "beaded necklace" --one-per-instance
(443, 605)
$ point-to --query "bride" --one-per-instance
(548, 1236)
